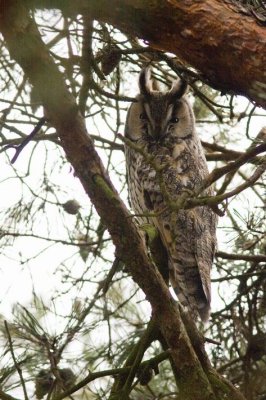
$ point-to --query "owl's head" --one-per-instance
(156, 115)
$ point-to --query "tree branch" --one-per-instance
(190, 30)
(122, 386)
(217, 173)
(24, 143)
(252, 258)
(16, 363)
(5, 396)
(214, 200)
(154, 361)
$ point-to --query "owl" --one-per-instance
(164, 159)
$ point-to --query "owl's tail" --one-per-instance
(188, 286)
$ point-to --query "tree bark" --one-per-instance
(213, 36)
(26, 47)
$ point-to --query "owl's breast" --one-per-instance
(189, 163)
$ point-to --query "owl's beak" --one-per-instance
(157, 133)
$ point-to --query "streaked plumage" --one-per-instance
(162, 124)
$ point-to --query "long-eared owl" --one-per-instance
(171, 161)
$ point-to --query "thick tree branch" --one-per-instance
(226, 46)
(26, 47)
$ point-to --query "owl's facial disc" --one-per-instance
(161, 118)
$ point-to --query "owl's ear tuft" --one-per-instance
(145, 82)
(178, 89)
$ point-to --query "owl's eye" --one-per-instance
(174, 120)
(142, 116)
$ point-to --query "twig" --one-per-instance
(5, 396)
(212, 341)
(214, 200)
(229, 364)
(91, 377)
(15, 362)
(14, 143)
(227, 180)
(217, 173)
(112, 144)
(240, 276)
(220, 153)
(66, 242)
(110, 95)
(103, 286)
(86, 69)
(252, 258)
(106, 283)
(143, 344)
(21, 146)
(222, 149)
(153, 362)
(122, 386)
